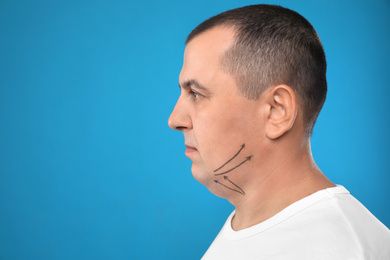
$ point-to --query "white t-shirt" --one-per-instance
(329, 224)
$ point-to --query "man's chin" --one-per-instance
(201, 175)
(206, 178)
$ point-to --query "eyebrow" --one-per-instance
(194, 84)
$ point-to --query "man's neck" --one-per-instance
(289, 180)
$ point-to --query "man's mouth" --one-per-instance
(190, 149)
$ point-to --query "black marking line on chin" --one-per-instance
(247, 159)
(239, 191)
(242, 147)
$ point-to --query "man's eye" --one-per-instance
(195, 94)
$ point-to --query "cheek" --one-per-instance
(218, 136)
(218, 128)
(228, 126)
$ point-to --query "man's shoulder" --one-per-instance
(339, 224)
(340, 212)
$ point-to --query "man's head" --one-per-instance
(274, 45)
(241, 106)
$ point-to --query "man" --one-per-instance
(252, 85)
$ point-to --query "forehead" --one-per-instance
(202, 55)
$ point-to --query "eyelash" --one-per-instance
(196, 95)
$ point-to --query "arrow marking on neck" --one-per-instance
(227, 179)
(239, 191)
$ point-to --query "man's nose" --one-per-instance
(180, 118)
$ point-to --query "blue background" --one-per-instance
(88, 166)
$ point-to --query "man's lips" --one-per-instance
(190, 149)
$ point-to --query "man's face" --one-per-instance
(215, 118)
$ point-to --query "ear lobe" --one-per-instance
(282, 111)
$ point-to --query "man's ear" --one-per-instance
(282, 111)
